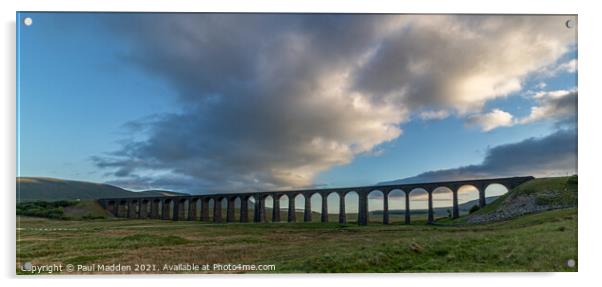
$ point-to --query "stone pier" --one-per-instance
(155, 208)
(244, 209)
(132, 208)
(217, 210)
(430, 218)
(324, 215)
(386, 208)
(259, 210)
(230, 209)
(166, 209)
(292, 214)
(192, 214)
(276, 209)
(307, 211)
(342, 215)
(143, 212)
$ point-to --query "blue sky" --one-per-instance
(76, 95)
(151, 100)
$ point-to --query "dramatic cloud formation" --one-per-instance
(269, 101)
(461, 62)
(547, 156)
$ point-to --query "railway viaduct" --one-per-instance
(173, 207)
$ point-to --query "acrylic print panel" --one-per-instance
(194, 143)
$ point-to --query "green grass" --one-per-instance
(537, 242)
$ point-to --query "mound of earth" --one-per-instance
(537, 195)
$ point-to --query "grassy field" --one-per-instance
(537, 242)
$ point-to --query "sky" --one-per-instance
(206, 103)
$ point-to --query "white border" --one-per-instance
(589, 139)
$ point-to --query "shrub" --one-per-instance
(92, 217)
(45, 209)
(474, 208)
(572, 179)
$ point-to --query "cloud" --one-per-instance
(569, 66)
(552, 155)
(494, 119)
(434, 115)
(270, 100)
(559, 105)
(462, 62)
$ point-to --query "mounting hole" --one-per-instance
(570, 263)
(569, 23)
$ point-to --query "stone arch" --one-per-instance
(299, 207)
(418, 204)
(316, 206)
(495, 189)
(268, 203)
(351, 205)
(237, 207)
(397, 205)
(443, 197)
(283, 200)
(376, 206)
(468, 196)
(333, 200)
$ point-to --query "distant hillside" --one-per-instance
(440, 211)
(52, 189)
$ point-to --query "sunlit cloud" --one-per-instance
(489, 121)
(559, 104)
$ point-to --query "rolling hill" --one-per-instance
(538, 195)
(52, 189)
